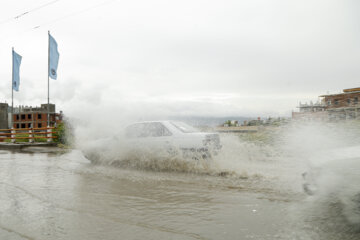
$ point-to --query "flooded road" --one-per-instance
(64, 196)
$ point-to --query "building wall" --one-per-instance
(342, 100)
(51, 107)
(32, 120)
(340, 106)
(28, 117)
(4, 115)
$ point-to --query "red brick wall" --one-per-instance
(342, 100)
(24, 118)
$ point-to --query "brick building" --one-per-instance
(28, 117)
(338, 106)
(343, 105)
(35, 117)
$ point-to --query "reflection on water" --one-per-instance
(64, 196)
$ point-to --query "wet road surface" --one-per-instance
(64, 196)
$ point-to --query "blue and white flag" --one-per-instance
(16, 58)
(53, 57)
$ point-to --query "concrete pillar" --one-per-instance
(13, 135)
(31, 140)
(49, 134)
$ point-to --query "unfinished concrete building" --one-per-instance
(28, 117)
(332, 107)
(311, 111)
(4, 118)
(343, 105)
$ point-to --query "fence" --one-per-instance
(30, 134)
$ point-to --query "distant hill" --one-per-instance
(209, 121)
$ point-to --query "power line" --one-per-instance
(37, 8)
(27, 12)
(74, 13)
(55, 20)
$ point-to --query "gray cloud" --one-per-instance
(265, 56)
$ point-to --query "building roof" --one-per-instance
(339, 94)
(351, 90)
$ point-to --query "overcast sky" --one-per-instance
(188, 57)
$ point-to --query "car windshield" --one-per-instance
(184, 127)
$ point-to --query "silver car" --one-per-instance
(174, 137)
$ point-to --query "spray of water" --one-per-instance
(260, 162)
(327, 152)
(331, 156)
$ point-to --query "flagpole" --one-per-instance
(12, 89)
(48, 107)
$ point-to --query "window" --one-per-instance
(30, 125)
(39, 125)
(329, 103)
(336, 101)
(23, 125)
(152, 129)
(17, 117)
(22, 116)
(17, 125)
(39, 116)
(157, 129)
(356, 100)
(135, 130)
(29, 116)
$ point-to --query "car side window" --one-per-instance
(157, 130)
(135, 130)
(142, 130)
